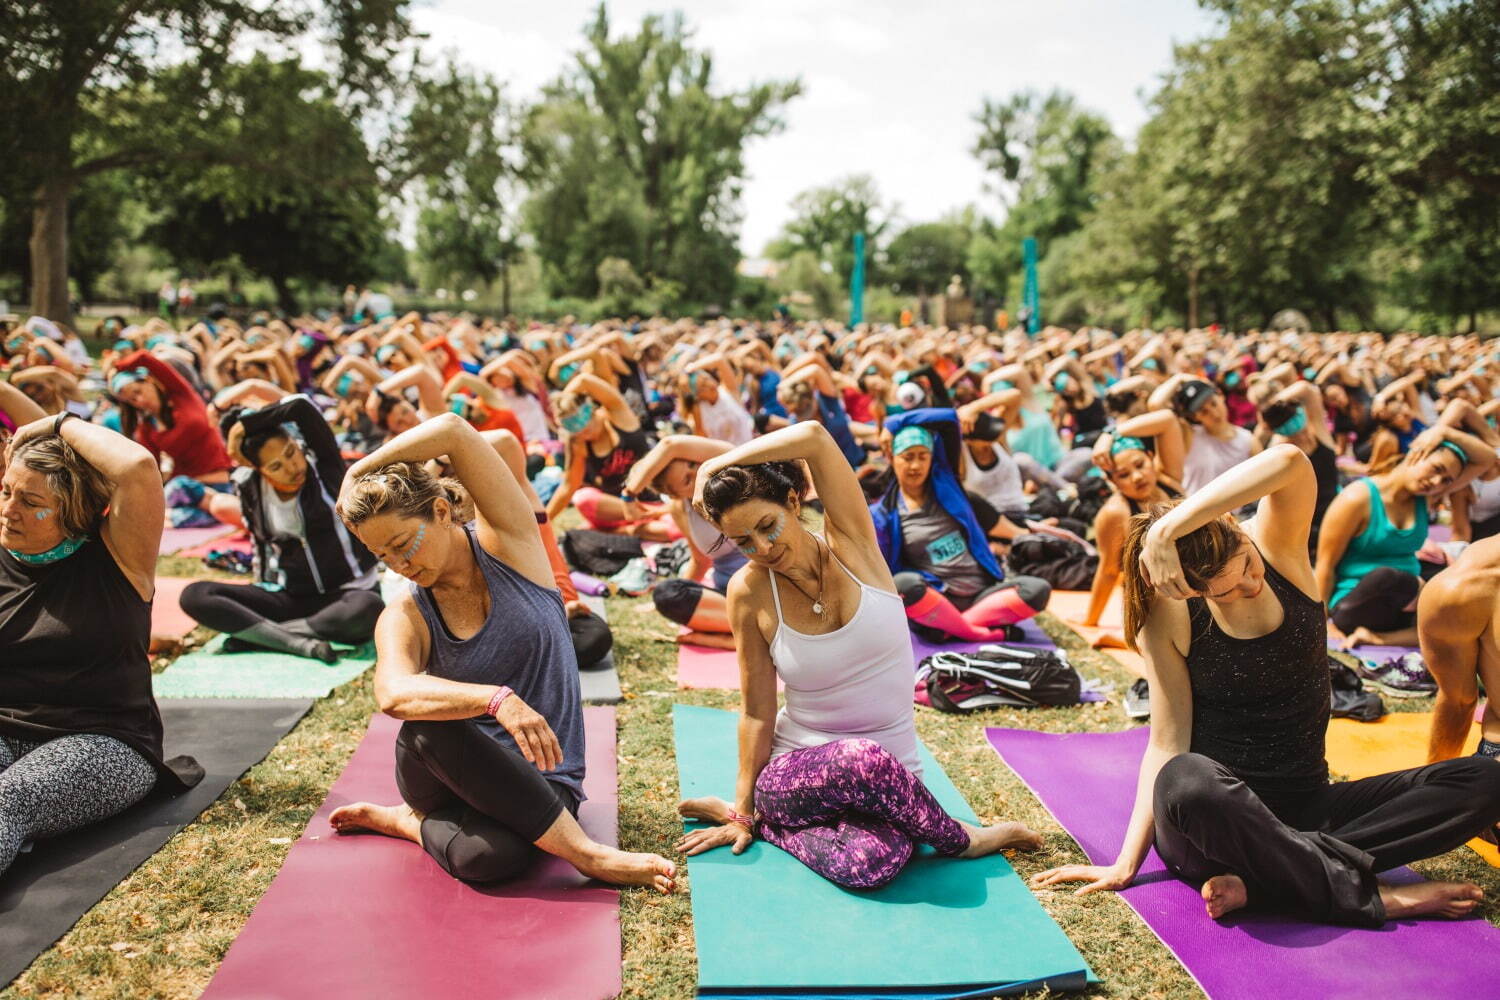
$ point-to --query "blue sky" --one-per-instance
(889, 87)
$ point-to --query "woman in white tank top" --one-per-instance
(833, 778)
(710, 390)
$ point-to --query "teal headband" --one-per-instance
(566, 372)
(915, 436)
(578, 420)
(1463, 456)
(1292, 424)
(1126, 443)
(124, 377)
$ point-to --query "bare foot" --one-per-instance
(1431, 899)
(710, 809)
(1002, 836)
(1223, 894)
(623, 868)
(392, 821)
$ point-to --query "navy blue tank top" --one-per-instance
(525, 644)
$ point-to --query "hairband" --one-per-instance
(1463, 456)
(124, 377)
(1126, 443)
(1291, 425)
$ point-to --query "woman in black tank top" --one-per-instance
(1234, 790)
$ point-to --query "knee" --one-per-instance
(864, 755)
(1187, 784)
(677, 599)
(474, 858)
(592, 640)
(879, 864)
(197, 599)
(1035, 591)
(911, 587)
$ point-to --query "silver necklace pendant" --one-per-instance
(817, 607)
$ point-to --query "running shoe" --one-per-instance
(1404, 677)
(635, 579)
(1138, 700)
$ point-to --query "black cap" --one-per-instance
(1191, 396)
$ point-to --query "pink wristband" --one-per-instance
(742, 819)
(503, 693)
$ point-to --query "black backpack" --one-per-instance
(597, 553)
(998, 676)
(1060, 561)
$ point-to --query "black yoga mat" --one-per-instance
(48, 889)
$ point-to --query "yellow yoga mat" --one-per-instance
(1072, 606)
(1397, 742)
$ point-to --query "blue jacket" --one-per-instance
(946, 489)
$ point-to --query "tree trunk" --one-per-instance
(505, 288)
(1473, 320)
(1192, 316)
(285, 300)
(49, 252)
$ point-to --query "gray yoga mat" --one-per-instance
(49, 888)
(600, 686)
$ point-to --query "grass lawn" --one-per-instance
(163, 931)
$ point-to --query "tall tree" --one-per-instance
(825, 219)
(922, 259)
(667, 152)
(86, 89)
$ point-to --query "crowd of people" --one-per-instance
(831, 491)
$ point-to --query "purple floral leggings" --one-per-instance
(851, 812)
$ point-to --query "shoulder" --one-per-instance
(1116, 510)
(1168, 622)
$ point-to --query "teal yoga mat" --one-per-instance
(768, 926)
(210, 673)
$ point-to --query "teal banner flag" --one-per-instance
(857, 282)
(1031, 297)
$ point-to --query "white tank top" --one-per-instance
(726, 420)
(528, 411)
(1000, 484)
(855, 681)
(1208, 457)
(1486, 500)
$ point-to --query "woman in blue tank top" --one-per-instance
(476, 658)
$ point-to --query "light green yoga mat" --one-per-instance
(767, 925)
(210, 673)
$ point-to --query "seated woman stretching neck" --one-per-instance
(1234, 788)
(834, 778)
(476, 659)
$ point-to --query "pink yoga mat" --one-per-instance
(1087, 781)
(238, 542)
(167, 617)
(715, 669)
(371, 916)
(174, 540)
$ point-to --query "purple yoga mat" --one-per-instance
(1375, 654)
(1087, 781)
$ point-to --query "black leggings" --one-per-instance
(677, 599)
(1378, 601)
(485, 807)
(1316, 856)
(592, 640)
(346, 616)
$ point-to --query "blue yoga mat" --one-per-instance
(767, 926)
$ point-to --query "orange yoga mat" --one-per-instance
(1108, 637)
(1396, 742)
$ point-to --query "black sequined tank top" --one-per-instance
(1260, 706)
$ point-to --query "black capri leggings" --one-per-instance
(485, 807)
(346, 616)
(1378, 601)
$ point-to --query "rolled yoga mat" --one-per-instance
(768, 926)
(50, 887)
(212, 673)
(1088, 780)
(600, 686)
(362, 915)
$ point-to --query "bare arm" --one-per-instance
(688, 447)
(1450, 620)
(1344, 519)
(18, 406)
(607, 396)
(1109, 538)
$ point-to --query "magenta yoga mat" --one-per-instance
(1087, 781)
(370, 916)
(713, 669)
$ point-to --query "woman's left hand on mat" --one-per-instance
(699, 841)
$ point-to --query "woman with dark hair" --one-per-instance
(1295, 415)
(316, 583)
(834, 778)
(80, 735)
(935, 544)
(161, 410)
(603, 438)
(1367, 567)
(477, 661)
(1214, 445)
(1234, 790)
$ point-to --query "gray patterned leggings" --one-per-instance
(60, 785)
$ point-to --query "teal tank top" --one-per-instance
(1380, 544)
(1036, 437)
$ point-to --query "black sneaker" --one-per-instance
(1138, 700)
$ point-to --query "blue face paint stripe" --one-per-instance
(416, 543)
